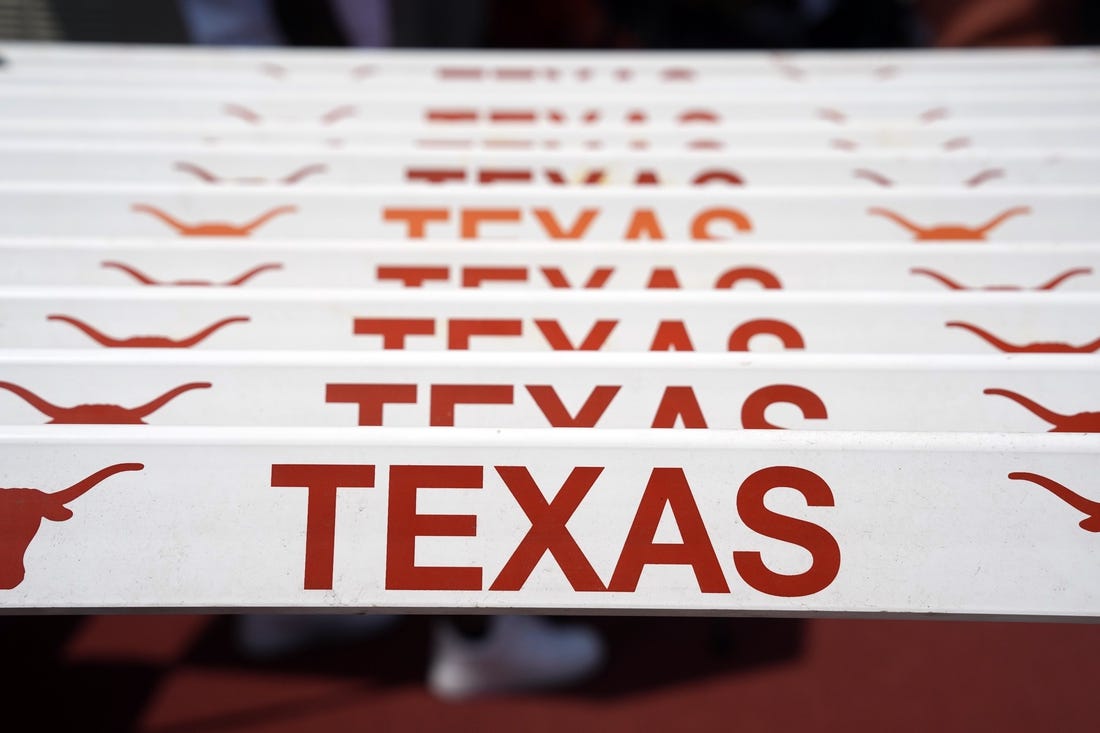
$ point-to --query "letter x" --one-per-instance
(548, 532)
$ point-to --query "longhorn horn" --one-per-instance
(133, 272)
(1029, 404)
(984, 335)
(80, 487)
(163, 216)
(896, 218)
(241, 279)
(937, 276)
(46, 408)
(92, 332)
(306, 170)
(1002, 217)
(1090, 523)
(267, 216)
(196, 170)
(204, 333)
(1055, 282)
(155, 404)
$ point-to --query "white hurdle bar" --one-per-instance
(754, 522)
(94, 163)
(933, 393)
(1059, 135)
(637, 321)
(1052, 213)
(260, 264)
(325, 109)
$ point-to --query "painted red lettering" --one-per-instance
(700, 225)
(393, 330)
(679, 403)
(595, 339)
(756, 405)
(816, 540)
(321, 482)
(548, 532)
(546, 397)
(416, 220)
(644, 222)
(668, 487)
(472, 219)
(412, 276)
(473, 277)
(557, 278)
(435, 175)
(371, 398)
(785, 332)
(461, 330)
(554, 230)
(404, 525)
(671, 336)
(444, 397)
(495, 175)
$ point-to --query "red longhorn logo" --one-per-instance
(139, 342)
(333, 116)
(1049, 285)
(144, 279)
(1039, 347)
(944, 232)
(22, 511)
(1091, 522)
(973, 182)
(214, 228)
(1082, 422)
(99, 414)
(289, 179)
(927, 117)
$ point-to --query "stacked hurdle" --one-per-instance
(721, 333)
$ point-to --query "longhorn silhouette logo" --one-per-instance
(974, 181)
(1048, 285)
(1081, 422)
(1091, 509)
(140, 342)
(945, 232)
(252, 117)
(291, 178)
(99, 414)
(1038, 347)
(214, 228)
(22, 511)
(144, 279)
(929, 116)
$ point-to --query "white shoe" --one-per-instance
(269, 635)
(517, 653)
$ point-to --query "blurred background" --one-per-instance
(559, 23)
(174, 673)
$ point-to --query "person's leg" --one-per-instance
(269, 635)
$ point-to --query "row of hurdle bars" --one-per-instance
(709, 333)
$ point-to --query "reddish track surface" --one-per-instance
(181, 674)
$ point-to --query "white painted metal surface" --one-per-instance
(1059, 135)
(851, 322)
(990, 393)
(878, 208)
(749, 214)
(688, 522)
(327, 109)
(133, 163)
(262, 264)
